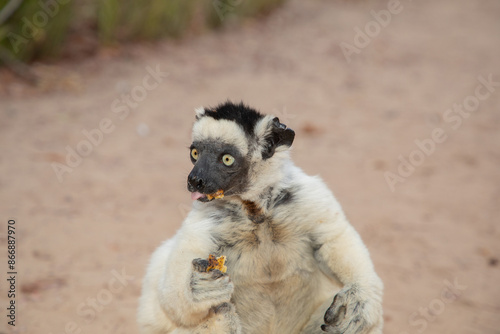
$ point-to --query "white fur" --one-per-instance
(199, 112)
(282, 274)
(225, 131)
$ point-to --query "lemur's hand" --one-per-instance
(354, 311)
(213, 287)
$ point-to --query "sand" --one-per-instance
(417, 178)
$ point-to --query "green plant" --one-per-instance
(126, 20)
(37, 29)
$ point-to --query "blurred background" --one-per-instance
(396, 105)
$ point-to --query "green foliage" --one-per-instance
(108, 14)
(36, 29)
(143, 20)
(39, 28)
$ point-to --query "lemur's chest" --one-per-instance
(265, 250)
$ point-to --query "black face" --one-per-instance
(217, 166)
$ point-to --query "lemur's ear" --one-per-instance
(199, 112)
(278, 136)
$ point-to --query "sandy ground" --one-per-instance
(83, 243)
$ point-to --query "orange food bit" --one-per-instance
(216, 195)
(216, 263)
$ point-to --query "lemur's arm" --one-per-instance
(342, 254)
(185, 294)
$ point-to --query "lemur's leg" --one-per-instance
(222, 320)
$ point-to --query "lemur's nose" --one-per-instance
(197, 183)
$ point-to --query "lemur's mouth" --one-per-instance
(207, 197)
(197, 195)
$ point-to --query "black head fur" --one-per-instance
(247, 118)
(243, 115)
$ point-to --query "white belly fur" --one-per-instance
(267, 272)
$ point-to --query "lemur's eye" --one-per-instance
(194, 154)
(228, 159)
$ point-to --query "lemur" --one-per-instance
(294, 263)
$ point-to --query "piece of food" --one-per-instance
(216, 195)
(216, 263)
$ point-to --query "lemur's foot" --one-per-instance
(353, 311)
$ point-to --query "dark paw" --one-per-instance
(216, 273)
(345, 314)
(200, 265)
(335, 313)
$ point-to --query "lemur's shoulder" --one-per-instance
(310, 189)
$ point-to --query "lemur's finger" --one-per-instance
(200, 265)
(216, 274)
(356, 325)
(336, 312)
